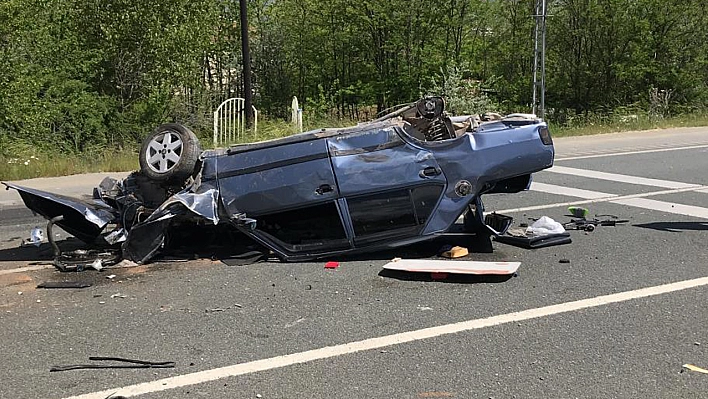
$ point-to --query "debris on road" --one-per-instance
(214, 310)
(293, 323)
(454, 252)
(580, 220)
(544, 232)
(63, 284)
(133, 364)
(693, 368)
(96, 265)
(529, 242)
(452, 267)
(438, 276)
(545, 226)
(564, 260)
(590, 224)
(36, 236)
(578, 212)
(331, 265)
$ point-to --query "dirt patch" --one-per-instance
(15, 279)
(131, 271)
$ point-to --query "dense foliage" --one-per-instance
(80, 75)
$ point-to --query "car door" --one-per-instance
(389, 186)
(290, 190)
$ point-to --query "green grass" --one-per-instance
(24, 166)
(628, 123)
(43, 165)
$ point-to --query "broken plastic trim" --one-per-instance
(497, 224)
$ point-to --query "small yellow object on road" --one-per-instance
(455, 252)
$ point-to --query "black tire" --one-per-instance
(169, 154)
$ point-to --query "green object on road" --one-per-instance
(578, 212)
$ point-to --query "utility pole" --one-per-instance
(539, 59)
(245, 51)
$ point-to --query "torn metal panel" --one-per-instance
(147, 237)
(82, 219)
(204, 204)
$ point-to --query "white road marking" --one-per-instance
(666, 207)
(569, 191)
(629, 200)
(593, 201)
(388, 340)
(619, 178)
(614, 154)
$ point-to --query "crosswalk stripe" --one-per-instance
(571, 157)
(569, 191)
(666, 207)
(619, 178)
(635, 200)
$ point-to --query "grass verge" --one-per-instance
(43, 165)
(633, 123)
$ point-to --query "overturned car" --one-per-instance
(403, 178)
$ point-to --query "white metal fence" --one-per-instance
(230, 121)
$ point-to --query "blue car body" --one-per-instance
(401, 179)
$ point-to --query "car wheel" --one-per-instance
(170, 153)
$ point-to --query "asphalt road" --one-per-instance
(619, 320)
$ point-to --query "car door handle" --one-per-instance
(430, 171)
(324, 189)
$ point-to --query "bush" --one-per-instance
(464, 96)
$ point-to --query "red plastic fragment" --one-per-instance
(438, 276)
(331, 265)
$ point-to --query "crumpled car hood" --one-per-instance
(83, 219)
